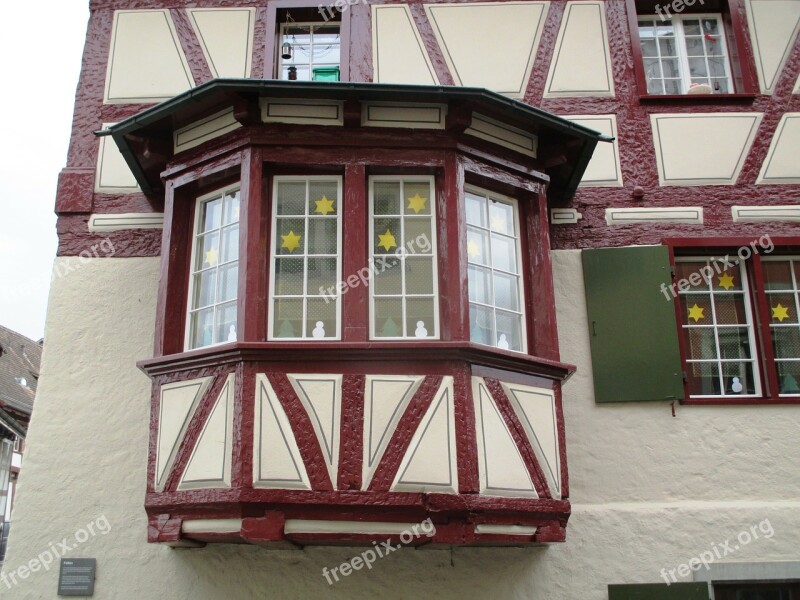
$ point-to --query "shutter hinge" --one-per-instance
(672, 271)
(685, 376)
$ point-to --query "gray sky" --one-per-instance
(40, 57)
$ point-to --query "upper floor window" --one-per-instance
(215, 270)
(306, 258)
(403, 291)
(496, 313)
(685, 55)
(309, 51)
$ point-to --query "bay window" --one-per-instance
(496, 313)
(403, 290)
(215, 270)
(306, 258)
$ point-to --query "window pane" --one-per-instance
(291, 198)
(476, 209)
(321, 319)
(694, 47)
(738, 379)
(506, 291)
(208, 251)
(691, 27)
(703, 379)
(478, 246)
(321, 275)
(696, 309)
(667, 47)
(734, 343)
(786, 342)
(479, 285)
(789, 377)
(323, 197)
(289, 277)
(504, 253)
(386, 198)
(420, 317)
(226, 323)
(509, 331)
(388, 277)
(322, 236)
(731, 310)
(205, 284)
(777, 274)
(388, 317)
(202, 328)
(670, 68)
(327, 54)
(388, 236)
(702, 344)
(418, 198)
(231, 208)
(418, 230)
(648, 47)
(228, 282)
(230, 243)
(673, 86)
(212, 212)
(419, 275)
(501, 218)
(481, 325)
(290, 236)
(288, 319)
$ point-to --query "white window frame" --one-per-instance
(751, 327)
(683, 58)
(434, 253)
(310, 24)
(199, 202)
(795, 291)
(273, 262)
(490, 195)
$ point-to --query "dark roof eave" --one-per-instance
(342, 90)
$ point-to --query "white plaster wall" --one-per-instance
(650, 491)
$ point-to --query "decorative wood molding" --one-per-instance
(106, 223)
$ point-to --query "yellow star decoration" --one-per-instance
(696, 313)
(291, 241)
(387, 241)
(211, 257)
(472, 249)
(416, 203)
(726, 281)
(324, 206)
(780, 312)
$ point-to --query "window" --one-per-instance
(305, 258)
(782, 289)
(496, 313)
(685, 55)
(403, 289)
(717, 327)
(215, 270)
(309, 51)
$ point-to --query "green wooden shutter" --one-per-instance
(659, 591)
(632, 327)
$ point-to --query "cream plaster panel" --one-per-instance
(796, 89)
(386, 398)
(581, 63)
(205, 130)
(210, 463)
(396, 114)
(702, 148)
(782, 164)
(501, 467)
(297, 110)
(277, 462)
(773, 29)
(398, 52)
(321, 396)
(489, 44)
(759, 214)
(108, 222)
(146, 62)
(177, 406)
(113, 174)
(674, 485)
(604, 169)
(226, 37)
(429, 464)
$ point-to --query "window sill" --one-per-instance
(697, 98)
(415, 354)
(736, 401)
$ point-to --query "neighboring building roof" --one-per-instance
(138, 136)
(20, 358)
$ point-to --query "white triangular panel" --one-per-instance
(177, 405)
(473, 59)
(429, 464)
(210, 463)
(782, 164)
(500, 464)
(398, 51)
(277, 462)
(536, 410)
(146, 62)
(773, 30)
(226, 37)
(386, 398)
(581, 63)
(113, 174)
(321, 396)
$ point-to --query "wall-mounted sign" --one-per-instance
(76, 577)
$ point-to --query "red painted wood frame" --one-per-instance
(783, 246)
(740, 54)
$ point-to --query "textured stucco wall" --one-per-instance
(650, 491)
